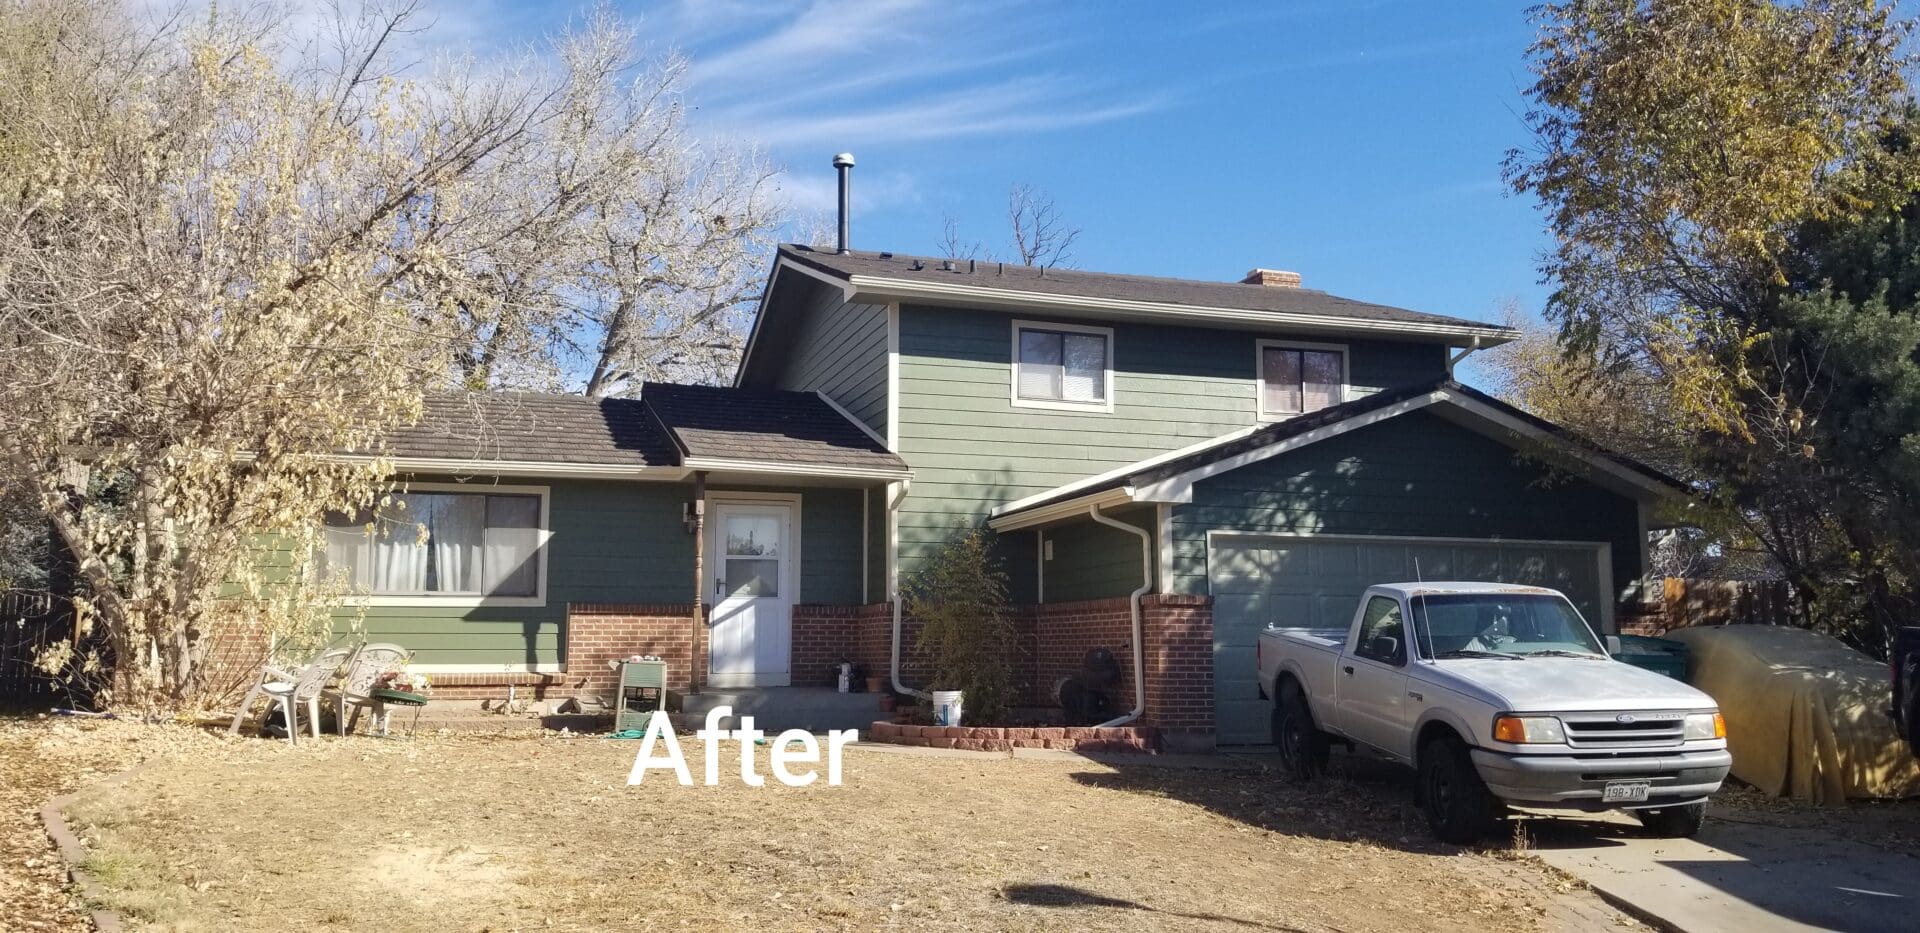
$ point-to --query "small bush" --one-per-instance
(959, 600)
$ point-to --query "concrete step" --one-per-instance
(776, 709)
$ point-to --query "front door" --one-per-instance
(749, 558)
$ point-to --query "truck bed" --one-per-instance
(1329, 638)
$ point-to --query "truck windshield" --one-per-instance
(1466, 625)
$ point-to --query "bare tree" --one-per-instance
(952, 245)
(1041, 237)
(229, 254)
(651, 243)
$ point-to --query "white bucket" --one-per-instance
(946, 707)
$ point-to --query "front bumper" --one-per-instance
(1676, 777)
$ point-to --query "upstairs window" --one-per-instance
(1065, 366)
(1297, 378)
(437, 544)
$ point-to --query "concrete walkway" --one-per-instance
(1749, 877)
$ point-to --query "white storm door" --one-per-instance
(749, 556)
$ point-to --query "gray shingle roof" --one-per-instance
(659, 429)
(525, 427)
(764, 425)
(1075, 283)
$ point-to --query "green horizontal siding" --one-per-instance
(1095, 561)
(840, 349)
(611, 542)
(972, 449)
(1415, 475)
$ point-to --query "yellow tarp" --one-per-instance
(1805, 713)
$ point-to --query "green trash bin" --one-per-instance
(643, 690)
(1660, 655)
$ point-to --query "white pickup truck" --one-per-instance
(1497, 695)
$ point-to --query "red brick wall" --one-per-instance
(600, 632)
(1178, 654)
(1065, 632)
(824, 636)
(1179, 662)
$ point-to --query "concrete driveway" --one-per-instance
(1736, 875)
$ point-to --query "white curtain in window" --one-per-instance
(513, 545)
(400, 548)
(458, 528)
(1086, 368)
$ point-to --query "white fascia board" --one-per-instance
(464, 467)
(881, 289)
(718, 464)
(1179, 488)
(1130, 469)
(1071, 508)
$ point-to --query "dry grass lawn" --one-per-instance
(505, 833)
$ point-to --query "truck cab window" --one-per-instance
(1383, 634)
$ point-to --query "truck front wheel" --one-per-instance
(1459, 807)
(1302, 746)
(1681, 822)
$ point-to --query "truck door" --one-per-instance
(1372, 678)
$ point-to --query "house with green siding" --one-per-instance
(1167, 466)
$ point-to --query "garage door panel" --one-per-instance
(1317, 581)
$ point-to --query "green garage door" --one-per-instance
(1261, 580)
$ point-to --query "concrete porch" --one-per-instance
(775, 709)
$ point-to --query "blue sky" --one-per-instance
(1358, 143)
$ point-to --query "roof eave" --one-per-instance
(880, 289)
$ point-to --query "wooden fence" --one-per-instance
(28, 623)
(1684, 601)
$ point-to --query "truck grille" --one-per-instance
(1624, 730)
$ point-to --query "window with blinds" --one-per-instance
(1295, 380)
(1064, 367)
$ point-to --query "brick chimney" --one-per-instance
(1273, 278)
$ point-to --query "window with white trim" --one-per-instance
(430, 544)
(1063, 366)
(1297, 378)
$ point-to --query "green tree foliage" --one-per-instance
(1731, 190)
(959, 600)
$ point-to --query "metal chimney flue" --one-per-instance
(843, 163)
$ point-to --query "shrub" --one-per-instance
(959, 600)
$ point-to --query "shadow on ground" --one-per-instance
(1067, 896)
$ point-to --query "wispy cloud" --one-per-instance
(839, 74)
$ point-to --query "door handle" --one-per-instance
(1349, 669)
(719, 587)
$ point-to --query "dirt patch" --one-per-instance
(42, 758)
(496, 833)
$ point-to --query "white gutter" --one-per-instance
(1139, 649)
(893, 567)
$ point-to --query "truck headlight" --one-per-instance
(1529, 730)
(1705, 726)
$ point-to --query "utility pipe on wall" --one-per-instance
(896, 494)
(1139, 648)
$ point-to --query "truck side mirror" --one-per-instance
(1613, 644)
(1384, 646)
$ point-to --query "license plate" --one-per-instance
(1626, 792)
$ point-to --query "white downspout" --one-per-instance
(1139, 649)
(896, 494)
(1466, 351)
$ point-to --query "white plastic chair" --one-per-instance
(356, 687)
(289, 692)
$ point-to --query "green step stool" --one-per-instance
(643, 690)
